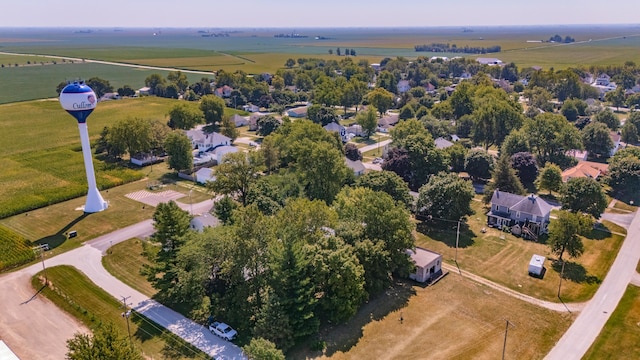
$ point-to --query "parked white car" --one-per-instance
(223, 330)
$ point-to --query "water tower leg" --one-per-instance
(95, 202)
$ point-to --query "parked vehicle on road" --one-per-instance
(223, 330)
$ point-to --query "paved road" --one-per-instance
(375, 146)
(15, 289)
(623, 220)
(584, 330)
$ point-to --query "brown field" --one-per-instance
(454, 319)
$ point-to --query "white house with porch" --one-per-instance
(525, 215)
(204, 141)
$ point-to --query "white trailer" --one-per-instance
(536, 265)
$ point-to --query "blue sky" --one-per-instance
(322, 13)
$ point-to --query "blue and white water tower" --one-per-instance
(80, 101)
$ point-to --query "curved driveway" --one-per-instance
(88, 259)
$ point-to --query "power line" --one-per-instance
(126, 314)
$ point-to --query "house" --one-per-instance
(429, 88)
(223, 92)
(253, 120)
(585, 169)
(455, 138)
(489, 61)
(615, 138)
(199, 223)
(337, 128)
(221, 151)
(356, 130)
(442, 143)
(239, 120)
(526, 215)
(375, 67)
(203, 175)
(603, 80)
(403, 86)
(580, 155)
(428, 265)
(250, 108)
(465, 76)
(298, 112)
(204, 141)
(144, 159)
(357, 166)
(144, 91)
(110, 96)
(388, 121)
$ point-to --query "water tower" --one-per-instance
(79, 101)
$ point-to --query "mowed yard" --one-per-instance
(41, 157)
(504, 258)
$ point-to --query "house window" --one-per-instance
(535, 218)
(497, 207)
(518, 215)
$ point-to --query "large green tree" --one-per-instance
(549, 178)
(388, 182)
(368, 120)
(596, 140)
(106, 343)
(322, 170)
(565, 231)
(503, 178)
(479, 163)
(185, 116)
(446, 196)
(236, 173)
(381, 99)
(213, 109)
(259, 348)
(99, 86)
(550, 135)
(178, 147)
(584, 195)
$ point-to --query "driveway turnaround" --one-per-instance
(583, 332)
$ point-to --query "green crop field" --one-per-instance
(14, 249)
(45, 166)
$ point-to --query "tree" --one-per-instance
(156, 84)
(60, 86)
(381, 99)
(446, 196)
(494, 120)
(322, 170)
(105, 343)
(388, 182)
(322, 115)
(550, 135)
(629, 133)
(228, 128)
(549, 178)
(290, 63)
(368, 120)
(570, 111)
(624, 172)
(608, 118)
(397, 161)
(525, 166)
(596, 140)
(425, 159)
(616, 97)
(351, 152)
(224, 208)
(565, 232)
(179, 79)
(504, 179)
(461, 100)
(406, 112)
(126, 91)
(402, 130)
(185, 116)
(213, 109)
(99, 86)
(236, 173)
(178, 147)
(478, 164)
(134, 136)
(267, 124)
(567, 85)
(584, 195)
(262, 349)
(456, 154)
(517, 141)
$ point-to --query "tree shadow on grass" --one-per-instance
(60, 237)
(599, 232)
(345, 336)
(575, 272)
(447, 234)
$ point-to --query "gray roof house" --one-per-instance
(442, 143)
(525, 215)
(240, 120)
(356, 166)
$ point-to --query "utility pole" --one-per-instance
(40, 249)
(126, 314)
(457, 239)
(506, 332)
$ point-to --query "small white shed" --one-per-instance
(428, 264)
(536, 265)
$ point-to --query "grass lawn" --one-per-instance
(76, 294)
(125, 260)
(504, 258)
(621, 333)
(454, 319)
